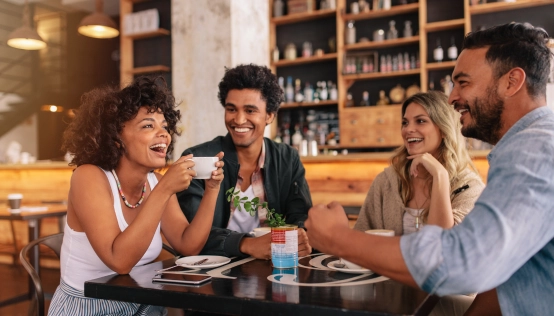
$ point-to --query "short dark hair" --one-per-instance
(93, 136)
(252, 77)
(516, 45)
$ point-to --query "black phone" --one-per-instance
(181, 278)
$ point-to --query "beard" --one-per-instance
(486, 115)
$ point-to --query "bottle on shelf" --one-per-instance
(333, 93)
(298, 95)
(364, 6)
(431, 84)
(350, 36)
(383, 65)
(286, 134)
(400, 61)
(278, 138)
(289, 91)
(290, 51)
(307, 50)
(332, 4)
(383, 99)
(275, 54)
(438, 53)
(324, 93)
(349, 100)
(392, 33)
(386, 4)
(406, 61)
(278, 8)
(281, 81)
(452, 50)
(297, 137)
(408, 32)
(365, 99)
(308, 93)
(447, 85)
(320, 135)
(354, 8)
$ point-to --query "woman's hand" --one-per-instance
(179, 175)
(427, 161)
(217, 175)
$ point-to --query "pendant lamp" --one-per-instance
(25, 37)
(98, 24)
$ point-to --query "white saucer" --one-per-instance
(331, 265)
(212, 262)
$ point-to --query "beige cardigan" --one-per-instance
(383, 207)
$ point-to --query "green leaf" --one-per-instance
(230, 191)
(237, 191)
(264, 205)
(244, 198)
(229, 198)
(256, 200)
(248, 206)
(236, 201)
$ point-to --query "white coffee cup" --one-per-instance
(380, 232)
(260, 231)
(204, 166)
(14, 200)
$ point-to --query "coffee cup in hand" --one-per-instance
(204, 166)
(14, 200)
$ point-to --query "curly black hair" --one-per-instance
(94, 135)
(516, 45)
(252, 77)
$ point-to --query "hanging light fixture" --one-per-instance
(98, 24)
(25, 37)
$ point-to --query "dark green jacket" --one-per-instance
(285, 187)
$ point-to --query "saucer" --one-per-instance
(211, 262)
(331, 265)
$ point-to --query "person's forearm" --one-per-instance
(440, 208)
(377, 253)
(194, 236)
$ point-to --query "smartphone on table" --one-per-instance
(179, 275)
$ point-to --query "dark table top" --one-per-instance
(246, 286)
(44, 210)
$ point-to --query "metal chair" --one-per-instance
(54, 242)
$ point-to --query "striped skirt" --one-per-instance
(71, 302)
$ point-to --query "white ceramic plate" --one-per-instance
(211, 262)
(345, 269)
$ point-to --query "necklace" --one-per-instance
(123, 196)
(419, 214)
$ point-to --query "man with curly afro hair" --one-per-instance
(257, 166)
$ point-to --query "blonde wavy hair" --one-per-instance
(452, 152)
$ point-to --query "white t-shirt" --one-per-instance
(241, 221)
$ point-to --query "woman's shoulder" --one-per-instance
(88, 172)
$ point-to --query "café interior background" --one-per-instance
(206, 36)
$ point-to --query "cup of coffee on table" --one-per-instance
(204, 166)
(14, 200)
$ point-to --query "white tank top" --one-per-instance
(79, 262)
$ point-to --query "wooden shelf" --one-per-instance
(383, 44)
(158, 32)
(304, 60)
(503, 6)
(305, 104)
(394, 10)
(441, 65)
(379, 75)
(301, 17)
(150, 69)
(445, 25)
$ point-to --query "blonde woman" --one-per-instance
(432, 180)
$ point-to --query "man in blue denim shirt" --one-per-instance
(504, 248)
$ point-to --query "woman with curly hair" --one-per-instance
(117, 205)
(432, 180)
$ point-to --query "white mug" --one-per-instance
(260, 231)
(204, 166)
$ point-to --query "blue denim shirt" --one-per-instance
(507, 240)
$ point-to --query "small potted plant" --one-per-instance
(284, 237)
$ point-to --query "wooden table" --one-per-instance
(252, 287)
(33, 218)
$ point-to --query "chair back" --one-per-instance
(55, 243)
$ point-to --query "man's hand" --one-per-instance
(257, 247)
(304, 247)
(324, 224)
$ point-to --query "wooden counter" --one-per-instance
(38, 182)
(347, 178)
